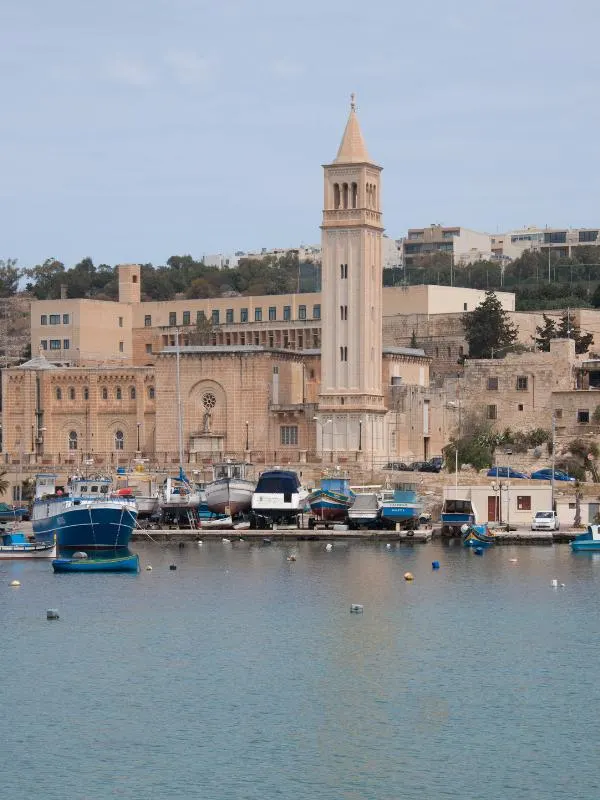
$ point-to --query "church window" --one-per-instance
(343, 353)
(71, 393)
(345, 195)
(243, 315)
(343, 312)
(58, 393)
(148, 321)
(86, 393)
(132, 393)
(215, 317)
(343, 271)
(272, 313)
(288, 434)
(354, 195)
(121, 347)
(119, 440)
(258, 315)
(186, 317)
(336, 195)
(301, 312)
(209, 401)
(72, 440)
(172, 318)
(287, 313)
(151, 393)
(275, 370)
(317, 311)
(118, 393)
(149, 348)
(104, 393)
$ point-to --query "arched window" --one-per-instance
(71, 393)
(58, 393)
(119, 440)
(345, 195)
(354, 195)
(151, 393)
(72, 440)
(118, 393)
(132, 392)
(86, 393)
(336, 195)
(104, 393)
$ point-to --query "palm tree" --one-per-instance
(4, 483)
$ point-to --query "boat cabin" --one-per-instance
(17, 537)
(90, 487)
(230, 469)
(45, 485)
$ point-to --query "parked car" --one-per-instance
(545, 474)
(426, 466)
(398, 465)
(545, 521)
(503, 472)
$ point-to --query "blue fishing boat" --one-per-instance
(15, 544)
(588, 541)
(476, 536)
(331, 501)
(401, 507)
(80, 562)
(86, 515)
(457, 512)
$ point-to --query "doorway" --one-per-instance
(493, 508)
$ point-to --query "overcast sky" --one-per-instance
(132, 130)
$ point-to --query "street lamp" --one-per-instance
(138, 436)
(508, 455)
(247, 436)
(360, 434)
(322, 426)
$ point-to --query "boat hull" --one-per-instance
(128, 563)
(588, 546)
(329, 506)
(475, 538)
(33, 550)
(97, 526)
(404, 514)
(230, 496)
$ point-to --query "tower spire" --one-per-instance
(352, 148)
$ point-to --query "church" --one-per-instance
(338, 398)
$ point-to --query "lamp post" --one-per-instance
(247, 436)
(322, 426)
(360, 434)
(508, 455)
(138, 436)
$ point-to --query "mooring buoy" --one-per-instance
(52, 613)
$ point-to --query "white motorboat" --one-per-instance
(278, 497)
(230, 491)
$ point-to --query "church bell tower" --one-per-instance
(351, 403)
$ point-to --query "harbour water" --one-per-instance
(244, 675)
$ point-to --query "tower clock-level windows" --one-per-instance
(343, 353)
(354, 195)
(336, 195)
(345, 195)
(344, 313)
(343, 271)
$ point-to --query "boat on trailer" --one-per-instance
(278, 498)
(230, 491)
(401, 506)
(331, 500)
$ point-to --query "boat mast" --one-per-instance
(179, 419)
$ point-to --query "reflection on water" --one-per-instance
(244, 675)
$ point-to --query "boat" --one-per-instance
(364, 512)
(457, 512)
(476, 536)
(82, 516)
(80, 562)
(216, 523)
(278, 498)
(230, 491)
(588, 541)
(15, 544)
(331, 501)
(13, 513)
(401, 506)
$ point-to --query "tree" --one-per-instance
(595, 298)
(544, 334)
(488, 329)
(9, 277)
(568, 329)
(413, 341)
(4, 482)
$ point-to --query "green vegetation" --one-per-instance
(565, 329)
(488, 329)
(579, 458)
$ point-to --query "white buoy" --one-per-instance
(200, 542)
(148, 567)
(225, 541)
(513, 560)
(356, 608)
(52, 613)
(15, 583)
(563, 585)
(554, 583)
(328, 546)
(388, 546)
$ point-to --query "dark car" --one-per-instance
(426, 466)
(545, 474)
(398, 465)
(504, 472)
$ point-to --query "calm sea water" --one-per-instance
(243, 675)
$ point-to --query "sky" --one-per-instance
(133, 130)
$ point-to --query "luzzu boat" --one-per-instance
(402, 508)
(80, 562)
(476, 536)
(16, 545)
(331, 501)
(588, 541)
